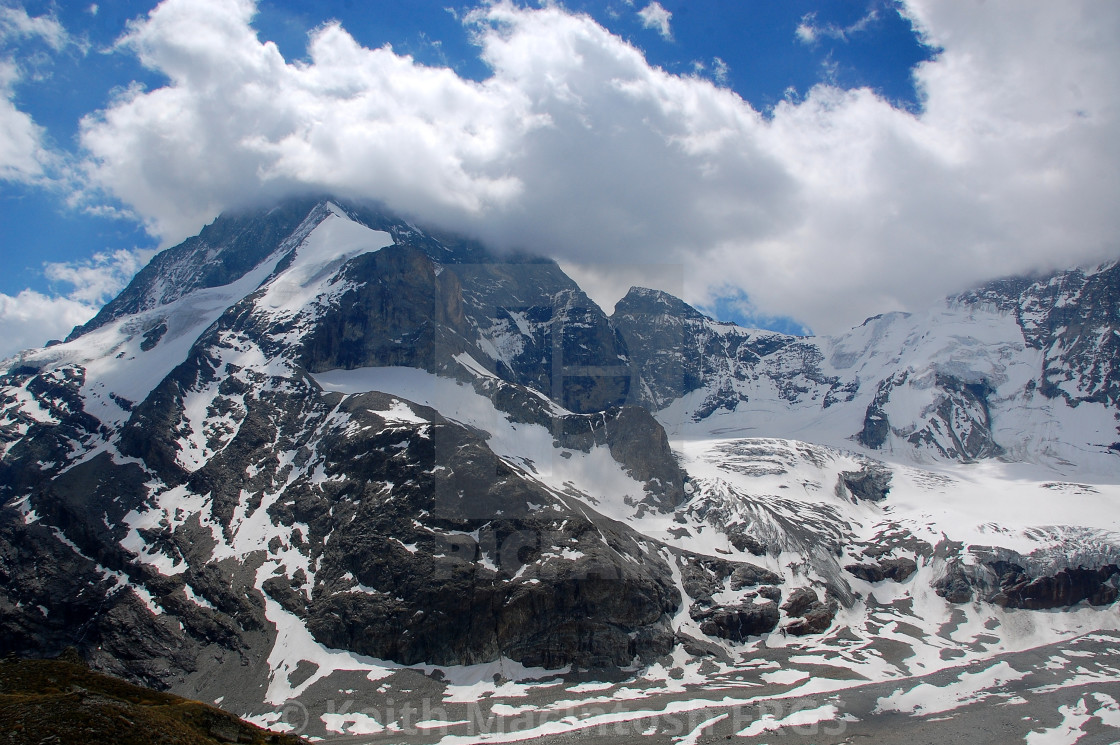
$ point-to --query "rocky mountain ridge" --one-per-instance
(318, 439)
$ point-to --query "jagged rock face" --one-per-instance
(322, 425)
(543, 332)
(399, 312)
(954, 586)
(442, 580)
(897, 569)
(958, 424)
(747, 613)
(635, 440)
(661, 333)
(1072, 318)
(872, 482)
(951, 384)
(385, 584)
(738, 622)
(810, 615)
(36, 447)
(677, 350)
(224, 251)
(1066, 588)
(1008, 579)
(523, 320)
(800, 601)
(238, 490)
(702, 577)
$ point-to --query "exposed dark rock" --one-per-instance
(421, 543)
(738, 622)
(588, 612)
(894, 538)
(745, 542)
(223, 252)
(675, 350)
(1012, 581)
(703, 576)
(955, 586)
(588, 621)
(558, 341)
(46, 446)
(770, 592)
(394, 315)
(152, 337)
(749, 575)
(637, 441)
(963, 429)
(816, 619)
(959, 427)
(872, 482)
(799, 601)
(810, 615)
(897, 569)
(876, 424)
(1070, 317)
(1065, 588)
(699, 583)
(701, 648)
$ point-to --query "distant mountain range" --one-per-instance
(318, 440)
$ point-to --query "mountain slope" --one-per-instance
(237, 480)
(972, 379)
(319, 443)
(62, 700)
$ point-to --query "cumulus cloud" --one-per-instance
(22, 153)
(98, 279)
(16, 23)
(831, 208)
(656, 17)
(31, 318)
(24, 156)
(237, 119)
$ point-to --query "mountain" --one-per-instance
(62, 700)
(318, 445)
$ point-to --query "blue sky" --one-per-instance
(798, 164)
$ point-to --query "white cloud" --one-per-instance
(720, 71)
(15, 23)
(31, 318)
(22, 153)
(606, 284)
(97, 280)
(236, 120)
(836, 207)
(808, 32)
(656, 17)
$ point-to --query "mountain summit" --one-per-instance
(317, 443)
